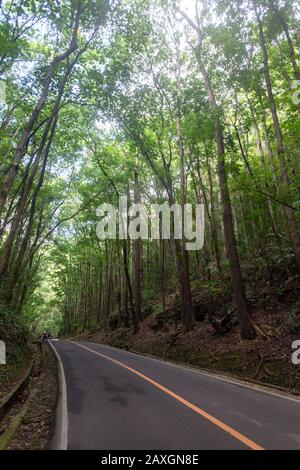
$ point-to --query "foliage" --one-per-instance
(126, 102)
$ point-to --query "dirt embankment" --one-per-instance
(266, 359)
(19, 357)
(215, 343)
(28, 425)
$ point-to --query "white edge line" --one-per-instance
(254, 387)
(60, 439)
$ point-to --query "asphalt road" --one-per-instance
(118, 400)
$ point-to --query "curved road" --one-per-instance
(116, 400)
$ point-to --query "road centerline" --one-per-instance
(220, 424)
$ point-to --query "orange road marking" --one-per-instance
(237, 435)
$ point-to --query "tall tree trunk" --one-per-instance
(280, 17)
(162, 269)
(23, 142)
(107, 288)
(210, 214)
(288, 211)
(137, 256)
(246, 325)
(189, 310)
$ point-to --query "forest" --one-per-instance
(161, 101)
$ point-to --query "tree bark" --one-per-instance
(23, 142)
(246, 325)
(137, 256)
(288, 211)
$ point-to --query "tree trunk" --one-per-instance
(288, 211)
(23, 142)
(285, 27)
(246, 325)
(137, 257)
(189, 310)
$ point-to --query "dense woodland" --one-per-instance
(162, 101)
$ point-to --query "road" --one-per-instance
(117, 400)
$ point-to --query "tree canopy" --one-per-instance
(160, 101)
